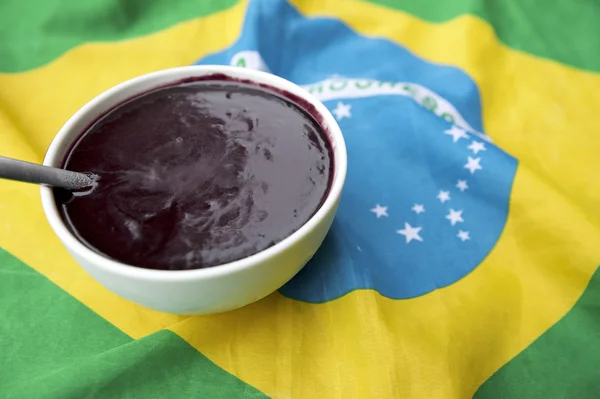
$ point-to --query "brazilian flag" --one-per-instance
(463, 262)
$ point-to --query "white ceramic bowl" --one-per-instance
(214, 289)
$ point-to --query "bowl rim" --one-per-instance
(53, 157)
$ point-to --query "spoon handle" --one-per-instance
(28, 172)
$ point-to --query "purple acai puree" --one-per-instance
(199, 173)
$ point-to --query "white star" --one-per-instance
(463, 235)
(462, 185)
(476, 146)
(418, 208)
(411, 233)
(473, 164)
(454, 216)
(443, 196)
(380, 211)
(342, 111)
(456, 133)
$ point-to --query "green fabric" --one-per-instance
(519, 24)
(565, 31)
(33, 33)
(570, 348)
(55, 347)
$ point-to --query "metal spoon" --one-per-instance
(28, 172)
